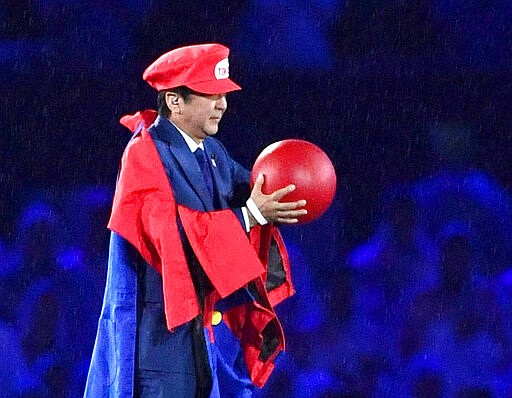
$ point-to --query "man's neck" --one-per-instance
(183, 130)
(192, 143)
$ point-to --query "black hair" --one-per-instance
(163, 109)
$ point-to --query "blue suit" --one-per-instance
(133, 347)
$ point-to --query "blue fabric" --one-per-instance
(114, 358)
(112, 365)
(152, 384)
(231, 372)
(228, 367)
(156, 346)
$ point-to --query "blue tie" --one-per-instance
(205, 169)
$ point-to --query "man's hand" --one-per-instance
(272, 209)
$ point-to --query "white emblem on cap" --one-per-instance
(222, 69)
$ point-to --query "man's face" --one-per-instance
(200, 114)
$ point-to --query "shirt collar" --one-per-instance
(190, 142)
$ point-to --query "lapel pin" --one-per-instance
(213, 163)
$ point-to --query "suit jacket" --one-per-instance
(113, 362)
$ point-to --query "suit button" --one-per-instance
(216, 318)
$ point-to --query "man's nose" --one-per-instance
(222, 103)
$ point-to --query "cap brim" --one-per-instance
(220, 86)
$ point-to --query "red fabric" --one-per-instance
(286, 289)
(224, 252)
(222, 248)
(144, 213)
(247, 323)
(132, 122)
(260, 239)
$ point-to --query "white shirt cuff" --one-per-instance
(255, 212)
(246, 219)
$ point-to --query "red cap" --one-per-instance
(203, 68)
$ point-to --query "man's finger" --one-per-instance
(290, 205)
(258, 184)
(291, 213)
(280, 193)
(287, 220)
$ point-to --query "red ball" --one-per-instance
(300, 163)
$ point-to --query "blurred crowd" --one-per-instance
(404, 287)
(421, 308)
(426, 307)
(52, 279)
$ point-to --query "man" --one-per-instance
(188, 307)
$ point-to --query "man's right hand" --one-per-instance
(271, 206)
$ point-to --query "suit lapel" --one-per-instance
(166, 131)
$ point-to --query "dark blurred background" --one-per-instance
(404, 286)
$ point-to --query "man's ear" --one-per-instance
(172, 100)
